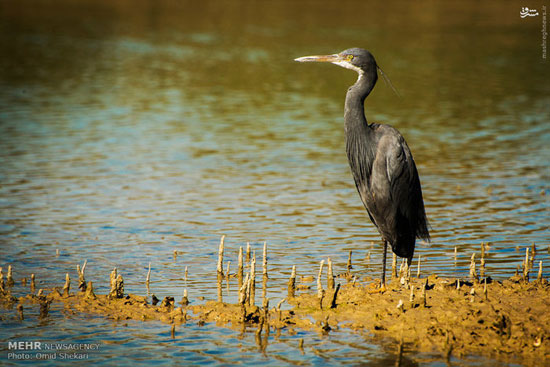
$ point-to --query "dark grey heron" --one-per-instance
(381, 163)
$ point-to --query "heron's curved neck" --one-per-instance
(354, 113)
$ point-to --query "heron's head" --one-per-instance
(357, 59)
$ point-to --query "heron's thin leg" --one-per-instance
(383, 280)
(409, 261)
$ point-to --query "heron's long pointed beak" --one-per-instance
(320, 58)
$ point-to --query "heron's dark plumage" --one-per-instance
(387, 181)
(381, 162)
(383, 167)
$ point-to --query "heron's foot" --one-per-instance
(380, 289)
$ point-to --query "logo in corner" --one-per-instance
(526, 12)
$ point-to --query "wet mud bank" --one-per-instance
(506, 320)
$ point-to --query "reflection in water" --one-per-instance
(130, 130)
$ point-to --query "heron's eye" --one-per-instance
(349, 57)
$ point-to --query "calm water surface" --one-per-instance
(129, 130)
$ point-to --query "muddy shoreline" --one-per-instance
(505, 320)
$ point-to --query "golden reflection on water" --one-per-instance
(170, 107)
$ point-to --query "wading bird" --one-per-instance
(381, 163)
